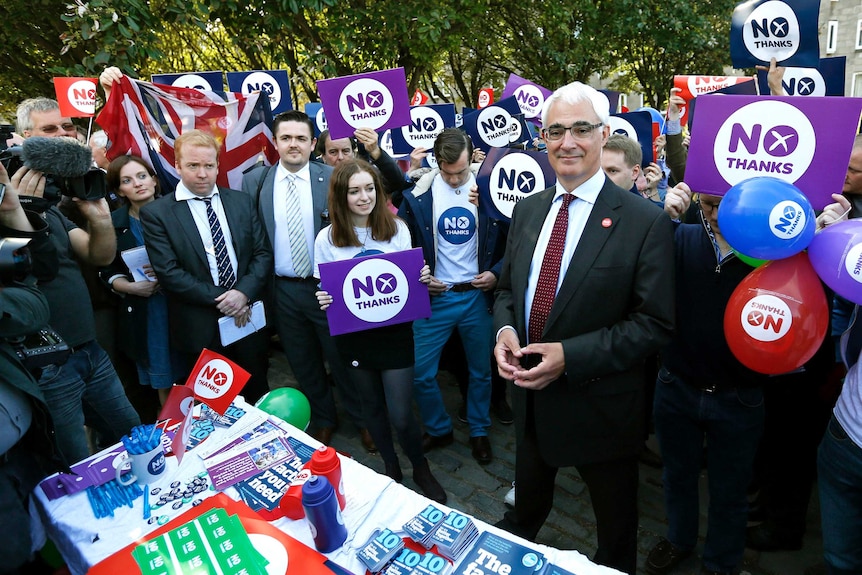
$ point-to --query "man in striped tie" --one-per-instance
(212, 258)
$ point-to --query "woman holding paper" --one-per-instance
(381, 359)
(143, 319)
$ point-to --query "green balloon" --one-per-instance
(288, 404)
(753, 262)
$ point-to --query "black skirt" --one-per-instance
(388, 347)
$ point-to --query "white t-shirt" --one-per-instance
(456, 228)
(325, 252)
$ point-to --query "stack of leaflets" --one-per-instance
(421, 528)
(381, 548)
(410, 562)
(213, 543)
(495, 554)
(454, 535)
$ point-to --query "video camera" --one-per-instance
(44, 346)
(66, 164)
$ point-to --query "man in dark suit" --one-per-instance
(582, 300)
(211, 256)
(302, 326)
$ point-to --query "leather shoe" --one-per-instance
(664, 557)
(481, 449)
(367, 441)
(426, 481)
(323, 435)
(430, 442)
(768, 537)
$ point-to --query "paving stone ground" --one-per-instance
(479, 491)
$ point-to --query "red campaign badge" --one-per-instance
(76, 96)
(606, 223)
(216, 380)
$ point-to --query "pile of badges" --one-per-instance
(382, 547)
(454, 535)
(178, 495)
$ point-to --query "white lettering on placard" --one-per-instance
(375, 290)
(771, 31)
(765, 138)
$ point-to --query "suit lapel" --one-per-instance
(267, 209)
(183, 215)
(593, 239)
(318, 194)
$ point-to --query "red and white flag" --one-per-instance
(216, 380)
(146, 119)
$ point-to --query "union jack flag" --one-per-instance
(145, 119)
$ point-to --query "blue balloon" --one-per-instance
(657, 118)
(766, 218)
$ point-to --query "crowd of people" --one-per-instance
(601, 301)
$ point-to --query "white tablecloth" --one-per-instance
(373, 501)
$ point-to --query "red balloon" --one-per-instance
(777, 316)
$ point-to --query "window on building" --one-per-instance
(859, 34)
(856, 88)
(832, 37)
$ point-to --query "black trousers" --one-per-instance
(613, 488)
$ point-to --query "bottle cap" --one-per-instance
(315, 490)
(324, 460)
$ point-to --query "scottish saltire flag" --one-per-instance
(145, 119)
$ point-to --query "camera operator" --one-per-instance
(88, 375)
(27, 450)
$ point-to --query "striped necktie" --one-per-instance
(226, 277)
(296, 231)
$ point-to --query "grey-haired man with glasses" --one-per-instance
(585, 294)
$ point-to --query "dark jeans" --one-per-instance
(387, 397)
(731, 422)
(839, 472)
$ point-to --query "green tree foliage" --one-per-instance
(653, 40)
(450, 48)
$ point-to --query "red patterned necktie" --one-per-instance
(546, 287)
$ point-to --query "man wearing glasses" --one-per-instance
(582, 299)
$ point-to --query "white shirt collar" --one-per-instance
(183, 194)
(303, 174)
(588, 191)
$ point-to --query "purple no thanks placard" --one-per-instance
(529, 95)
(804, 141)
(377, 100)
(374, 291)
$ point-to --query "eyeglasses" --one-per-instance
(53, 129)
(579, 131)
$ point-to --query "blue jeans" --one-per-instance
(88, 376)
(839, 478)
(731, 422)
(468, 311)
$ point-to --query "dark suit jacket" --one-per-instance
(614, 307)
(261, 191)
(177, 255)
